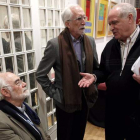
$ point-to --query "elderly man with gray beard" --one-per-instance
(17, 120)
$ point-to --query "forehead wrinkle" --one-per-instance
(11, 77)
(77, 10)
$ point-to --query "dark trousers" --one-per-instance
(119, 125)
(71, 126)
(127, 130)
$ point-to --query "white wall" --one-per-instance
(67, 2)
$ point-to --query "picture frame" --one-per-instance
(111, 5)
(138, 16)
(89, 9)
(101, 19)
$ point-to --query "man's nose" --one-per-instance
(111, 27)
(23, 84)
(83, 21)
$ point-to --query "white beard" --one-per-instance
(25, 93)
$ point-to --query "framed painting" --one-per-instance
(89, 8)
(101, 19)
(111, 5)
(138, 16)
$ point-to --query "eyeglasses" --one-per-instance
(79, 19)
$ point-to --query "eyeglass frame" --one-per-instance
(79, 19)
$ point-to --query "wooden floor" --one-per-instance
(94, 132)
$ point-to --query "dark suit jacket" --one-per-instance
(50, 60)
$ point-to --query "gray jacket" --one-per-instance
(50, 60)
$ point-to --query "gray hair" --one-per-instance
(67, 13)
(126, 9)
(3, 84)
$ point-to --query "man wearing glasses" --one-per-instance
(17, 120)
(69, 54)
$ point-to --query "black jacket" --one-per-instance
(122, 90)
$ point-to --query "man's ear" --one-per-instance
(130, 16)
(67, 24)
(5, 92)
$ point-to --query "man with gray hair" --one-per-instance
(17, 120)
(122, 118)
(69, 54)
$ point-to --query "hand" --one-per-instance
(87, 80)
(137, 77)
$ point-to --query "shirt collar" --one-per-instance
(22, 108)
(75, 40)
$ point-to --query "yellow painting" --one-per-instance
(112, 4)
(89, 8)
(101, 21)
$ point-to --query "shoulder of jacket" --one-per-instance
(90, 38)
(4, 117)
(53, 40)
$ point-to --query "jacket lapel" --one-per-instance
(21, 126)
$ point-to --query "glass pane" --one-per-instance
(42, 18)
(37, 111)
(20, 63)
(26, 100)
(43, 38)
(62, 24)
(49, 106)
(30, 59)
(15, 17)
(32, 80)
(50, 121)
(57, 18)
(0, 65)
(50, 18)
(49, 3)
(56, 5)
(57, 32)
(4, 21)
(51, 34)
(3, 0)
(54, 105)
(43, 49)
(34, 98)
(62, 4)
(9, 64)
(14, 1)
(41, 3)
(18, 41)
(28, 40)
(55, 120)
(24, 79)
(6, 42)
(25, 2)
(26, 18)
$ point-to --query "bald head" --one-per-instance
(122, 21)
(124, 9)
